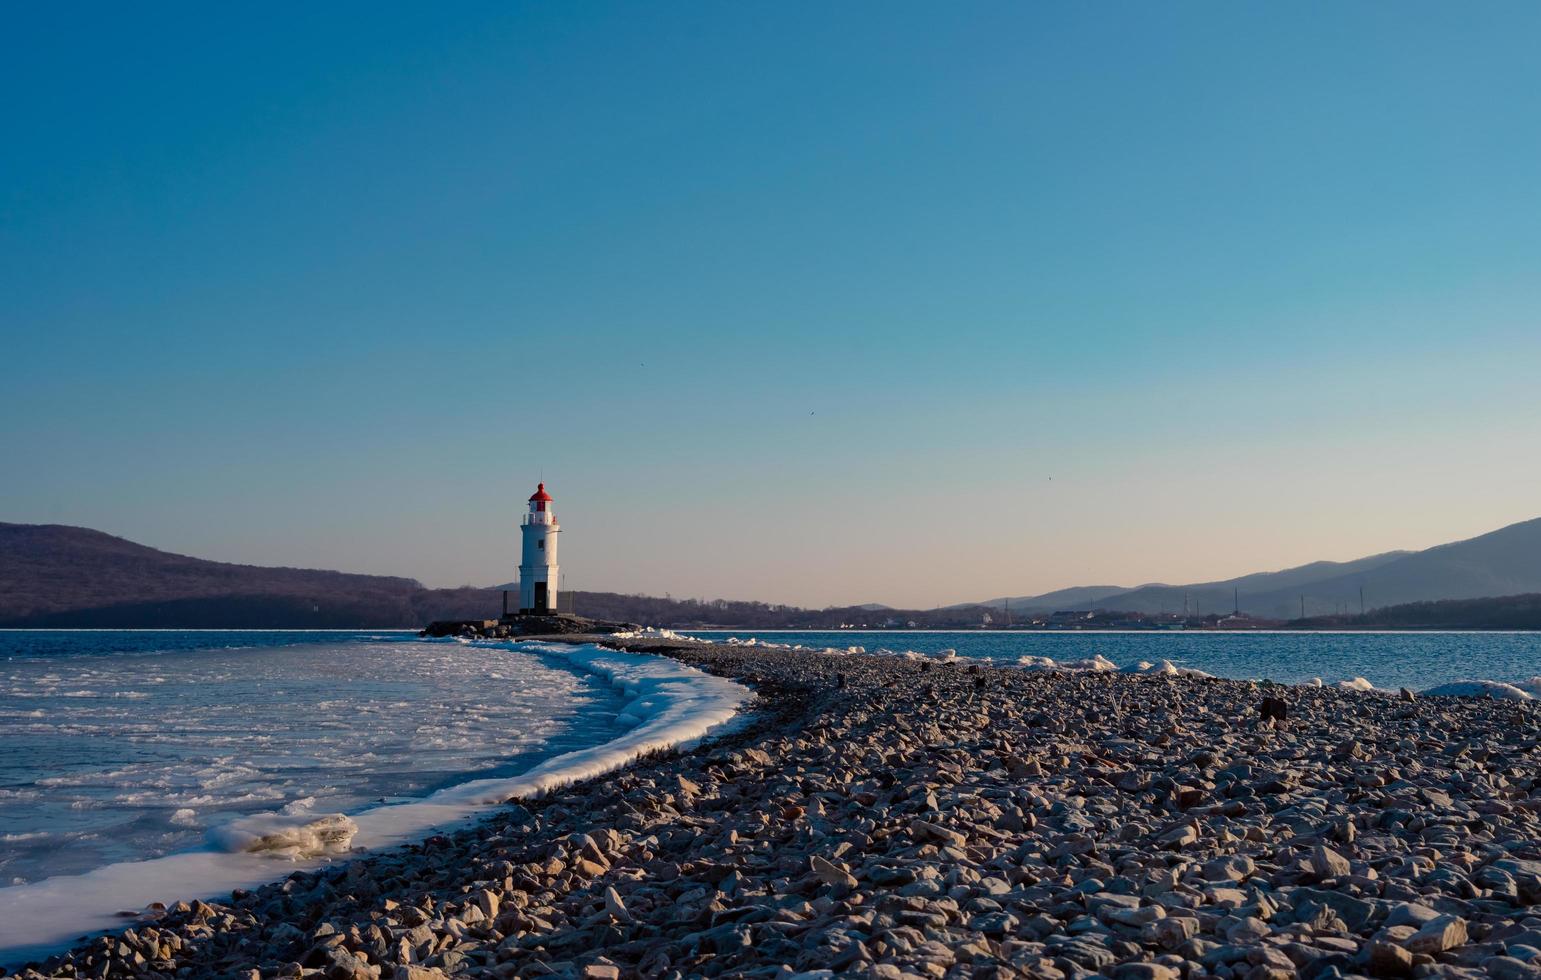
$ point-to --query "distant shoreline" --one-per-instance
(1019, 631)
(1130, 632)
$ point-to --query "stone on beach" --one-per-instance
(1438, 935)
(1328, 863)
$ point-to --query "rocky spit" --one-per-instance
(885, 817)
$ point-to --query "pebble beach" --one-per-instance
(877, 816)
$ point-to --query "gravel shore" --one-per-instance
(889, 817)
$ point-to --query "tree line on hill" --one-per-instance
(737, 614)
(1510, 612)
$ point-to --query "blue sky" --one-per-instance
(804, 302)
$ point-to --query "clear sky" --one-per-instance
(806, 302)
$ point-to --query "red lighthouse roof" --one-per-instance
(540, 493)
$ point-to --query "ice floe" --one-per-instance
(675, 705)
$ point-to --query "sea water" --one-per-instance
(119, 746)
(1389, 661)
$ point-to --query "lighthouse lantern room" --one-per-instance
(538, 575)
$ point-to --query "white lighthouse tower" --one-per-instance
(537, 561)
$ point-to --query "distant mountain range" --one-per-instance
(57, 576)
(54, 575)
(1500, 563)
(1077, 597)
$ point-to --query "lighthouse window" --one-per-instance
(541, 545)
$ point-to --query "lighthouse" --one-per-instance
(537, 561)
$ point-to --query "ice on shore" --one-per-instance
(1483, 689)
(675, 705)
(1525, 690)
(1095, 663)
(1354, 684)
(650, 633)
(228, 734)
(669, 705)
(1035, 663)
(1164, 668)
(1518, 690)
(293, 832)
(756, 642)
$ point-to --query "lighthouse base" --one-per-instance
(529, 618)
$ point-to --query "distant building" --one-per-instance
(1067, 616)
(538, 573)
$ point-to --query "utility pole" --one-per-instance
(1236, 596)
(1302, 607)
(1361, 600)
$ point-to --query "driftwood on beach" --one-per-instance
(890, 817)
